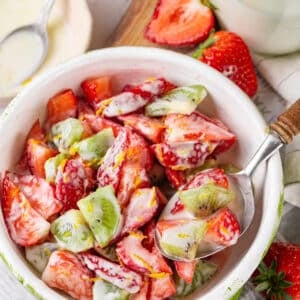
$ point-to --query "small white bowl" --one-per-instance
(226, 101)
(69, 31)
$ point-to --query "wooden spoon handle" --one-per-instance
(132, 26)
(288, 123)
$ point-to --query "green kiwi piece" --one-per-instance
(51, 166)
(106, 290)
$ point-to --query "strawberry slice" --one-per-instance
(150, 88)
(142, 294)
(183, 155)
(180, 23)
(65, 272)
(162, 288)
(186, 270)
(216, 176)
(132, 177)
(124, 103)
(150, 128)
(85, 109)
(97, 123)
(37, 154)
(119, 276)
(61, 107)
(110, 170)
(25, 225)
(197, 126)
(97, 89)
(132, 254)
(71, 183)
(40, 195)
(223, 228)
(142, 208)
(176, 178)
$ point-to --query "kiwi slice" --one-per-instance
(38, 255)
(65, 133)
(182, 240)
(92, 149)
(51, 166)
(183, 100)
(102, 212)
(206, 199)
(72, 232)
(106, 290)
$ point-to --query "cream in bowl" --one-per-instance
(225, 101)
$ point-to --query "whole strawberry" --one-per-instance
(228, 53)
(280, 272)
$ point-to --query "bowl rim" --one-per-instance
(234, 279)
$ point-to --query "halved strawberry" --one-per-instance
(185, 270)
(97, 89)
(132, 177)
(223, 228)
(98, 123)
(132, 254)
(142, 207)
(198, 127)
(150, 128)
(138, 150)
(162, 288)
(150, 88)
(40, 195)
(176, 178)
(180, 23)
(37, 154)
(65, 272)
(71, 183)
(25, 225)
(119, 276)
(60, 107)
(183, 155)
(216, 176)
(110, 169)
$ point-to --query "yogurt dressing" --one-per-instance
(19, 56)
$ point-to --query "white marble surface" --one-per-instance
(105, 15)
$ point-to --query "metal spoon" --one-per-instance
(39, 29)
(281, 132)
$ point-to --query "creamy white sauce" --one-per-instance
(19, 56)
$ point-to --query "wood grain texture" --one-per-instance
(288, 123)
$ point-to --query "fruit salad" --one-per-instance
(107, 171)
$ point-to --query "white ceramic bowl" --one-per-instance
(226, 100)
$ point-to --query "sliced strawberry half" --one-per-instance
(25, 225)
(197, 126)
(110, 169)
(142, 208)
(97, 89)
(183, 155)
(40, 195)
(150, 128)
(216, 176)
(185, 270)
(180, 23)
(132, 254)
(37, 154)
(132, 177)
(65, 272)
(71, 183)
(223, 228)
(162, 288)
(61, 107)
(119, 276)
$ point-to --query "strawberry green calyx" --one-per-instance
(206, 44)
(272, 283)
(208, 4)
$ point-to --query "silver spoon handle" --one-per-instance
(271, 144)
(43, 20)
